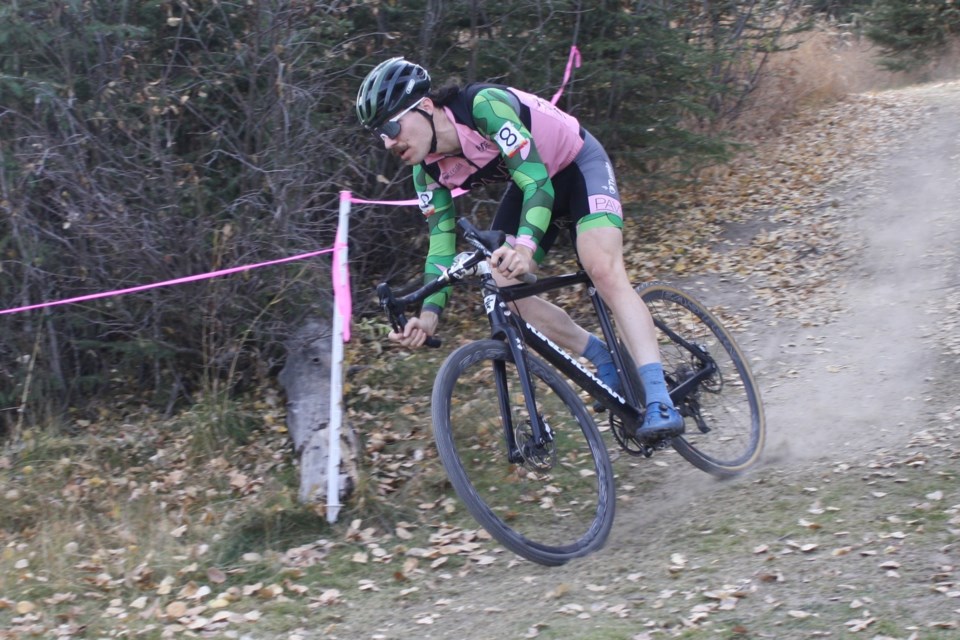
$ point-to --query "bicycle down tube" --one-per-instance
(624, 405)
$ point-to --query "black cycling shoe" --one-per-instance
(661, 421)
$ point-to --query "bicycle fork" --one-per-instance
(517, 451)
(540, 436)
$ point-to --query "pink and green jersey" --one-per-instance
(505, 135)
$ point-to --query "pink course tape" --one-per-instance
(572, 61)
(341, 274)
(341, 289)
(341, 270)
(166, 283)
(401, 203)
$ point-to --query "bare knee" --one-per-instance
(609, 276)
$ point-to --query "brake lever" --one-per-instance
(395, 313)
(488, 241)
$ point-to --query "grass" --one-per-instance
(98, 524)
(139, 528)
(106, 528)
(143, 509)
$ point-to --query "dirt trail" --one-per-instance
(837, 394)
(861, 380)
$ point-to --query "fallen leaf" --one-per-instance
(859, 625)
(216, 576)
(25, 606)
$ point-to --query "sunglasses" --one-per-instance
(391, 128)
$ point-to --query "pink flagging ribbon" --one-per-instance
(166, 283)
(456, 193)
(341, 272)
(341, 288)
(572, 61)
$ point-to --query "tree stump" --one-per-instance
(306, 379)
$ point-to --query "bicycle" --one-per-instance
(528, 459)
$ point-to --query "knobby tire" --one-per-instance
(547, 511)
(725, 425)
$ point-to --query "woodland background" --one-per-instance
(146, 468)
(144, 140)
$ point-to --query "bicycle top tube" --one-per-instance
(484, 243)
(543, 285)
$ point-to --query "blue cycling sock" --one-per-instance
(598, 354)
(596, 351)
(654, 386)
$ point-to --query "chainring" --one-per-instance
(626, 441)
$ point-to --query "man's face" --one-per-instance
(412, 143)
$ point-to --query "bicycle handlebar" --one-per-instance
(395, 308)
(484, 242)
(488, 242)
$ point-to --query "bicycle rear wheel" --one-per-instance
(725, 426)
(556, 502)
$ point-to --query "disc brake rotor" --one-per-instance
(535, 457)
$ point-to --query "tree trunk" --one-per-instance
(306, 379)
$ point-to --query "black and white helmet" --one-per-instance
(391, 87)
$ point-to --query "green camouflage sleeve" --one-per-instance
(436, 203)
(496, 119)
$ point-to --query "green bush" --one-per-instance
(911, 32)
(147, 140)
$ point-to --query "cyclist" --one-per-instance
(559, 174)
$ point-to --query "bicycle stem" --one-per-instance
(465, 264)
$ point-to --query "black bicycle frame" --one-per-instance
(518, 333)
(505, 324)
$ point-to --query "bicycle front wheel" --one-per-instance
(548, 503)
(725, 426)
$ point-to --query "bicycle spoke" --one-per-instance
(724, 426)
(554, 500)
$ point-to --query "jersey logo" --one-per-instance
(426, 203)
(611, 186)
(600, 203)
(510, 140)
